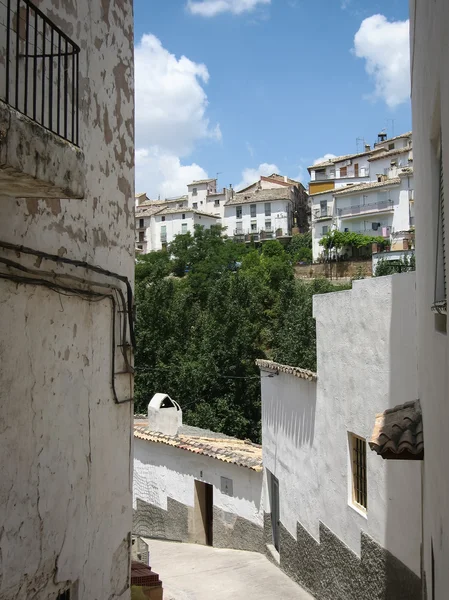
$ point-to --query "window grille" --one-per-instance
(359, 479)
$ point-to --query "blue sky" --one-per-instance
(240, 86)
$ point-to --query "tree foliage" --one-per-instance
(389, 267)
(335, 240)
(206, 309)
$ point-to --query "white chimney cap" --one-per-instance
(164, 414)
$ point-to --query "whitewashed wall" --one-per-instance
(290, 450)
(65, 487)
(367, 362)
(430, 98)
(161, 471)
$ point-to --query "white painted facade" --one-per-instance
(66, 481)
(430, 105)
(257, 217)
(366, 353)
(162, 471)
(161, 228)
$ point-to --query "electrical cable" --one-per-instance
(83, 265)
(89, 295)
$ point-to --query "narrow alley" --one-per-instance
(196, 572)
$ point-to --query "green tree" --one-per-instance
(390, 267)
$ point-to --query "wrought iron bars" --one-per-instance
(40, 76)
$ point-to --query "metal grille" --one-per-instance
(359, 471)
(443, 246)
(39, 76)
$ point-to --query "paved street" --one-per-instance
(194, 572)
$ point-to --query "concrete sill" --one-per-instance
(274, 553)
(36, 163)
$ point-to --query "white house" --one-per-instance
(261, 214)
(345, 523)
(195, 485)
(380, 204)
(429, 25)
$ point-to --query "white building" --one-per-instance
(262, 214)
(195, 485)
(158, 225)
(345, 523)
(66, 274)
(372, 194)
(429, 25)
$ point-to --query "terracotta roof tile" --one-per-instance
(231, 450)
(398, 433)
(269, 195)
(295, 371)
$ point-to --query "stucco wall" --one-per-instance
(65, 445)
(164, 478)
(430, 101)
(279, 217)
(366, 358)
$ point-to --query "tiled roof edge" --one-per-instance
(279, 368)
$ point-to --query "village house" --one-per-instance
(195, 485)
(66, 270)
(340, 521)
(374, 196)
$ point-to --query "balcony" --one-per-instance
(261, 235)
(39, 107)
(321, 214)
(361, 209)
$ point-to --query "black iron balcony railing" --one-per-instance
(40, 74)
(322, 213)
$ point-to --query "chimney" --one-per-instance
(164, 415)
(367, 147)
(285, 178)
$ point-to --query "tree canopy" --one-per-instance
(206, 309)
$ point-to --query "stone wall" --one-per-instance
(335, 270)
(331, 571)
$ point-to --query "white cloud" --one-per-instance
(250, 176)
(171, 118)
(324, 158)
(211, 8)
(161, 173)
(385, 47)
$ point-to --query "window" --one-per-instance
(268, 209)
(238, 212)
(194, 192)
(195, 205)
(253, 210)
(239, 228)
(324, 229)
(356, 170)
(343, 171)
(217, 203)
(141, 223)
(358, 468)
(323, 207)
(254, 226)
(162, 218)
(440, 275)
(163, 233)
(267, 225)
(65, 595)
(141, 236)
(391, 146)
(184, 228)
(183, 216)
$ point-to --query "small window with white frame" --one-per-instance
(195, 205)
(268, 209)
(357, 456)
(254, 226)
(253, 210)
(238, 212)
(194, 191)
(324, 229)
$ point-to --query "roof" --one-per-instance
(140, 194)
(398, 433)
(388, 153)
(242, 453)
(398, 137)
(275, 178)
(349, 189)
(279, 368)
(201, 181)
(186, 209)
(148, 211)
(260, 196)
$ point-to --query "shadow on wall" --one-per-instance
(403, 477)
(289, 413)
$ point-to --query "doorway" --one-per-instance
(203, 513)
(274, 499)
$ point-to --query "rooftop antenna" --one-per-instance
(392, 126)
(217, 174)
(360, 142)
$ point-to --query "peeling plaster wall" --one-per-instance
(65, 488)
